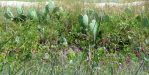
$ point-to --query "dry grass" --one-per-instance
(69, 3)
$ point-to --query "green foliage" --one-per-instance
(145, 22)
(71, 56)
(129, 11)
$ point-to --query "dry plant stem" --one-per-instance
(63, 54)
(142, 63)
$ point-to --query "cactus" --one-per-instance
(93, 28)
(85, 26)
(20, 17)
(92, 24)
(8, 14)
(80, 19)
(46, 56)
(49, 7)
(43, 14)
(63, 41)
(85, 20)
(33, 15)
(20, 11)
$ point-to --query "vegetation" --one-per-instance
(58, 40)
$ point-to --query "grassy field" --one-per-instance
(74, 40)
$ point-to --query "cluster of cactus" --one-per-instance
(20, 15)
(33, 14)
(88, 27)
(90, 23)
(8, 14)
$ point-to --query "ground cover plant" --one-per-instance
(58, 39)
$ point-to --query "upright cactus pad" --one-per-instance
(33, 15)
(93, 28)
(85, 20)
(20, 11)
(8, 14)
(49, 7)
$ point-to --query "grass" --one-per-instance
(60, 46)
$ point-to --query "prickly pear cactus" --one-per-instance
(8, 14)
(80, 19)
(93, 28)
(63, 41)
(49, 7)
(20, 11)
(33, 15)
(85, 20)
